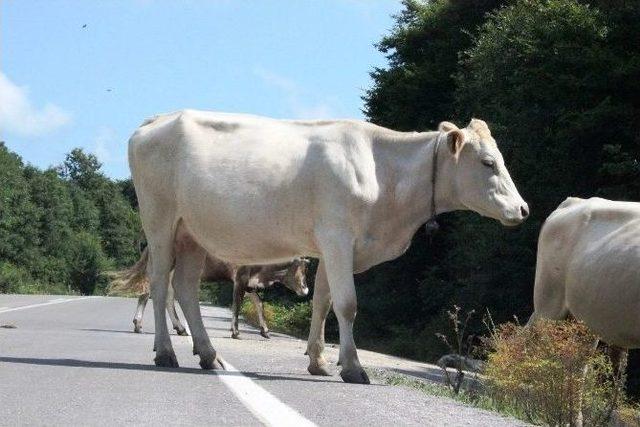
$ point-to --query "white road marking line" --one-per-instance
(55, 301)
(267, 408)
(262, 404)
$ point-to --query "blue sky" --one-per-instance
(65, 86)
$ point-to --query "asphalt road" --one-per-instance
(75, 361)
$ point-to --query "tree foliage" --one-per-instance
(61, 228)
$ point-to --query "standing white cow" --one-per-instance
(587, 267)
(253, 190)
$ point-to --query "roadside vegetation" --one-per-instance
(62, 228)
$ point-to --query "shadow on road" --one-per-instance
(140, 367)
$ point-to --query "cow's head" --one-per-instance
(296, 277)
(475, 168)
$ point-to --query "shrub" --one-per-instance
(13, 278)
(88, 261)
(540, 371)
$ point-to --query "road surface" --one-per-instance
(75, 361)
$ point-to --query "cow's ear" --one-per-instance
(455, 140)
(447, 127)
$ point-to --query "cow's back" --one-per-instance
(591, 248)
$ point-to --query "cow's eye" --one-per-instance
(488, 163)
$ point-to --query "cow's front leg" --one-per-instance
(173, 315)
(257, 304)
(137, 319)
(337, 254)
(321, 305)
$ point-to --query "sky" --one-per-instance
(86, 73)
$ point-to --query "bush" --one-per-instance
(88, 261)
(12, 278)
(540, 371)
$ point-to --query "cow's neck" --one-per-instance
(408, 161)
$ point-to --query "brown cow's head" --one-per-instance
(296, 277)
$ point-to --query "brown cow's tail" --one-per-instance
(133, 280)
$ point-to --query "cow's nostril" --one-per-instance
(524, 211)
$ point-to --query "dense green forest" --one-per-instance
(62, 228)
(558, 82)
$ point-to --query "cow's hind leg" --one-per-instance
(137, 319)
(173, 315)
(321, 305)
(337, 253)
(190, 259)
(161, 262)
(257, 304)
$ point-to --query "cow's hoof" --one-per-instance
(208, 363)
(355, 376)
(167, 360)
(181, 331)
(322, 370)
(235, 335)
(265, 334)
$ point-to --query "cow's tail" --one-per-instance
(133, 280)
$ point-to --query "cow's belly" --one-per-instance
(247, 237)
(603, 290)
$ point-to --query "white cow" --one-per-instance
(588, 267)
(253, 190)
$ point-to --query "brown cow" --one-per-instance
(245, 279)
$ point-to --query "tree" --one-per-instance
(18, 214)
(416, 91)
(83, 169)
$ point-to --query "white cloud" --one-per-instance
(301, 103)
(19, 116)
(109, 148)
(102, 144)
